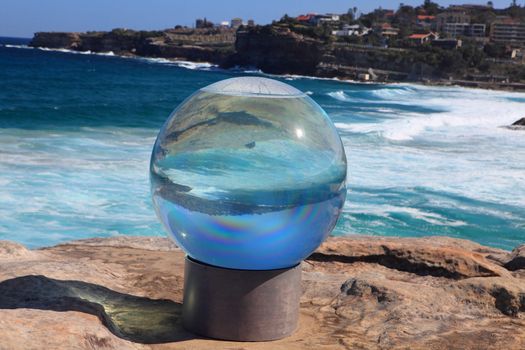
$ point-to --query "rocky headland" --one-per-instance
(277, 50)
(199, 45)
(358, 293)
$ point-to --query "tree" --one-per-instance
(285, 18)
(490, 4)
(495, 50)
(405, 16)
(350, 14)
(430, 7)
(472, 56)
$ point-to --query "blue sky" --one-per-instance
(21, 18)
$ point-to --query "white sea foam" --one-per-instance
(386, 211)
(454, 145)
(195, 65)
(80, 184)
(178, 63)
(339, 95)
(108, 53)
(17, 46)
(440, 166)
(253, 70)
(394, 93)
(460, 109)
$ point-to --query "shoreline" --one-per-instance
(209, 66)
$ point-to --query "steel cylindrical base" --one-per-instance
(240, 305)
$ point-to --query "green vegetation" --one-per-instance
(474, 57)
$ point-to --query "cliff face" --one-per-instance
(118, 41)
(159, 48)
(279, 50)
(358, 293)
(266, 48)
(276, 52)
(395, 62)
(56, 40)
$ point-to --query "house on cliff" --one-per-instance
(352, 30)
(328, 18)
(315, 19)
(305, 19)
(426, 22)
(385, 30)
(420, 39)
(236, 22)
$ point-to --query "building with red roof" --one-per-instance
(426, 21)
(385, 29)
(306, 18)
(420, 39)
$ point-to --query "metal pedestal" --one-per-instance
(241, 305)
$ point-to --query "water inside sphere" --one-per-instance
(248, 173)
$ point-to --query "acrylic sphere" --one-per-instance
(248, 173)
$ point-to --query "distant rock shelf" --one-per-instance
(358, 293)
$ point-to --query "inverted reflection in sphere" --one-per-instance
(248, 173)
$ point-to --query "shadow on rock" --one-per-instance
(137, 319)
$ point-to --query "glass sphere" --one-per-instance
(248, 173)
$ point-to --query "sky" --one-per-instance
(21, 18)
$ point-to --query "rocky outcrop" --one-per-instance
(517, 125)
(517, 259)
(208, 46)
(276, 51)
(118, 41)
(358, 293)
(271, 49)
(281, 49)
(445, 257)
(56, 40)
(196, 53)
(520, 122)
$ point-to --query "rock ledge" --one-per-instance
(358, 293)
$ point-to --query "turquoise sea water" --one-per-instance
(76, 132)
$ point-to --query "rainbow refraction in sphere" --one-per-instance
(248, 173)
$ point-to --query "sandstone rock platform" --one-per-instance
(358, 293)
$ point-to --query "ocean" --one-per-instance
(77, 129)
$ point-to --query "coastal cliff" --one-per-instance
(193, 45)
(273, 50)
(358, 293)
(279, 50)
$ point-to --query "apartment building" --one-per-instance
(508, 31)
